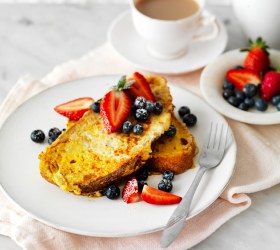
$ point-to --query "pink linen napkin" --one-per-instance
(257, 148)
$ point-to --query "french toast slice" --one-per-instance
(86, 158)
(173, 153)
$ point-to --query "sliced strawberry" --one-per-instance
(130, 192)
(140, 87)
(158, 197)
(74, 109)
(270, 85)
(258, 57)
(241, 77)
(114, 108)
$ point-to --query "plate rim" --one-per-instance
(233, 147)
(158, 70)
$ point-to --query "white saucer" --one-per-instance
(129, 45)
(211, 82)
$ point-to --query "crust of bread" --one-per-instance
(176, 154)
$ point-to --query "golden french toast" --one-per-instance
(86, 158)
(173, 153)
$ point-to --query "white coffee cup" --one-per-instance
(169, 39)
(259, 18)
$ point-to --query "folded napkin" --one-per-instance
(257, 167)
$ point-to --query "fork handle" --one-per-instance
(178, 218)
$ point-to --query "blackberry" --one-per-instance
(37, 136)
(165, 185)
(112, 192)
(127, 127)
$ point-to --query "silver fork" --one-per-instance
(211, 155)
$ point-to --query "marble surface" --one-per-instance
(35, 38)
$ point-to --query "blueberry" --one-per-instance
(234, 101)
(228, 93)
(275, 100)
(158, 108)
(150, 106)
(141, 184)
(37, 135)
(250, 89)
(142, 174)
(95, 107)
(261, 104)
(141, 115)
(54, 132)
(240, 95)
(127, 127)
(168, 175)
(140, 102)
(171, 131)
(137, 129)
(243, 106)
(228, 85)
(238, 67)
(184, 110)
(112, 192)
(190, 120)
(250, 102)
(165, 185)
(278, 106)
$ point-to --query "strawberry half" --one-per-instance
(270, 85)
(130, 192)
(158, 197)
(140, 87)
(74, 109)
(240, 77)
(115, 107)
(258, 57)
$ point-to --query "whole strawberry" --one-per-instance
(270, 85)
(257, 58)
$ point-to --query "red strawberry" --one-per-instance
(270, 85)
(258, 57)
(240, 77)
(115, 107)
(74, 109)
(130, 192)
(140, 87)
(158, 197)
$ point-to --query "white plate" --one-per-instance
(211, 82)
(21, 180)
(129, 45)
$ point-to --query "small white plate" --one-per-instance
(130, 46)
(21, 180)
(211, 82)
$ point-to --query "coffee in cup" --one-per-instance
(168, 27)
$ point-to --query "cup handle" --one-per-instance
(207, 19)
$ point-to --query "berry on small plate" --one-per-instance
(227, 96)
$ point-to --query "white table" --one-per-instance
(35, 38)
